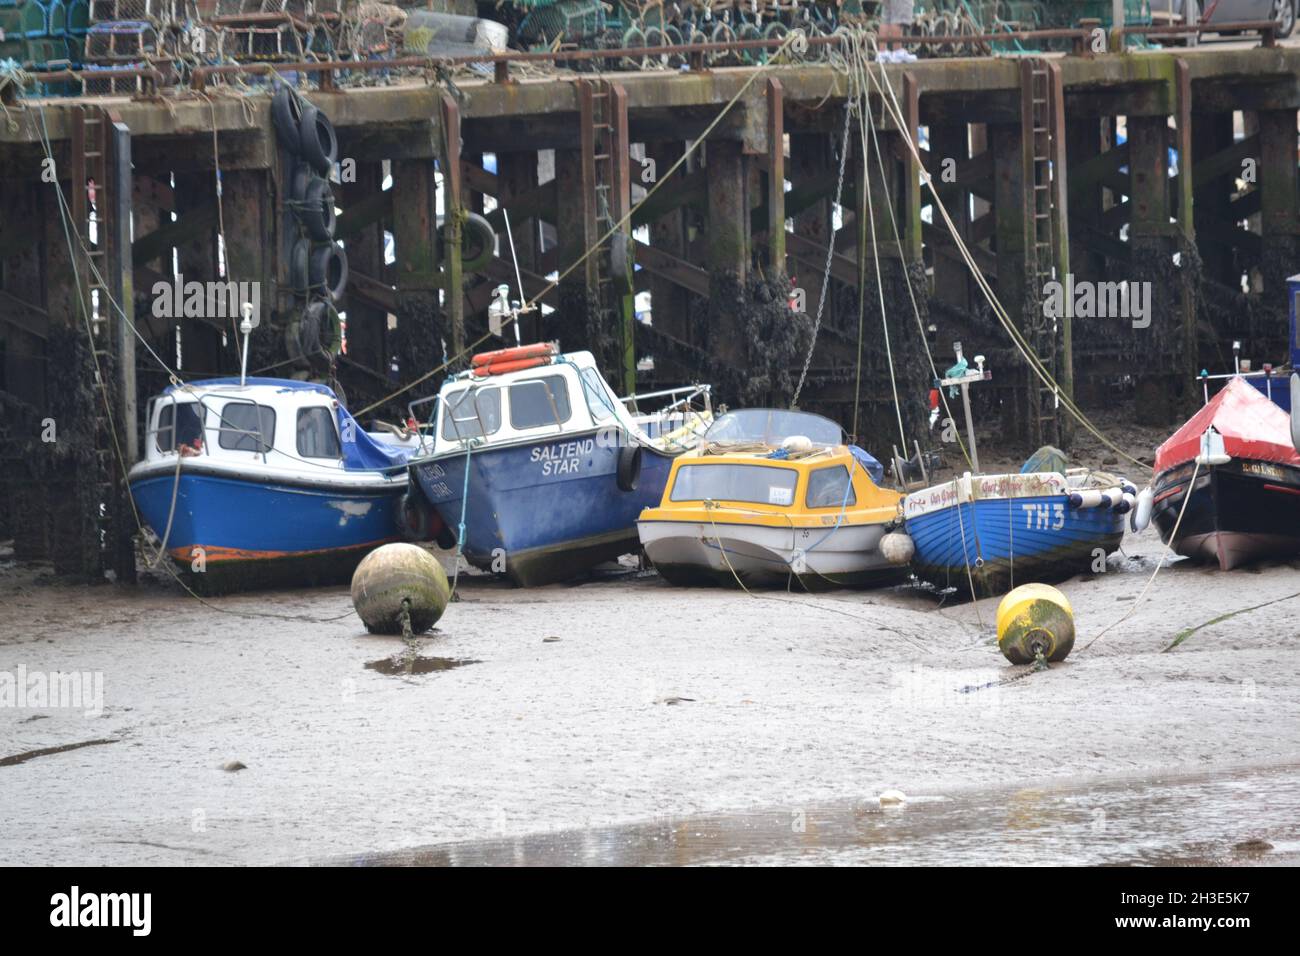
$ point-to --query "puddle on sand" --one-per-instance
(402, 666)
(1237, 818)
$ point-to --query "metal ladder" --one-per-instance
(603, 158)
(1044, 333)
(89, 156)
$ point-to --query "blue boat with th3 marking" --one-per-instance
(538, 470)
(984, 534)
(268, 481)
(989, 533)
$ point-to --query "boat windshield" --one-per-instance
(756, 484)
(771, 426)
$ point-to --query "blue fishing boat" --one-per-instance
(984, 534)
(268, 481)
(988, 533)
(539, 470)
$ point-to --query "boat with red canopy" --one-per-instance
(1236, 466)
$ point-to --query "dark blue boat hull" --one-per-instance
(1006, 542)
(544, 511)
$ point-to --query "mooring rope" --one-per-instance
(1035, 363)
(1169, 549)
(830, 256)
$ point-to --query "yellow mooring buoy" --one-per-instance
(1034, 619)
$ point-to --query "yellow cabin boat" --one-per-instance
(771, 495)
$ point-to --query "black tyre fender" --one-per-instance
(446, 537)
(319, 143)
(629, 467)
(303, 175)
(299, 263)
(286, 115)
(293, 340)
(317, 210)
(327, 270)
(478, 242)
(311, 329)
(414, 517)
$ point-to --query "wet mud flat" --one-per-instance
(567, 723)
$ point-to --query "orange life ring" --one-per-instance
(500, 368)
(538, 350)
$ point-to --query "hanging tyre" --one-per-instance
(293, 340)
(317, 210)
(320, 331)
(286, 116)
(310, 329)
(319, 144)
(327, 270)
(299, 265)
(415, 519)
(302, 177)
(478, 242)
(629, 467)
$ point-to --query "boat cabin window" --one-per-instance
(599, 403)
(317, 435)
(180, 424)
(471, 413)
(246, 427)
(539, 401)
(830, 488)
(757, 484)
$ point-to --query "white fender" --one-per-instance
(1142, 513)
(1089, 498)
(897, 547)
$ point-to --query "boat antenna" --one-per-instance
(245, 328)
(1236, 356)
(519, 282)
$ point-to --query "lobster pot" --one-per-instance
(128, 41)
(160, 13)
(47, 53)
(1033, 619)
(56, 19)
(371, 38)
(278, 43)
(34, 19)
(11, 33)
(78, 18)
(320, 42)
(111, 85)
(574, 20)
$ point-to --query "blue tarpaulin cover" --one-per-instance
(874, 468)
